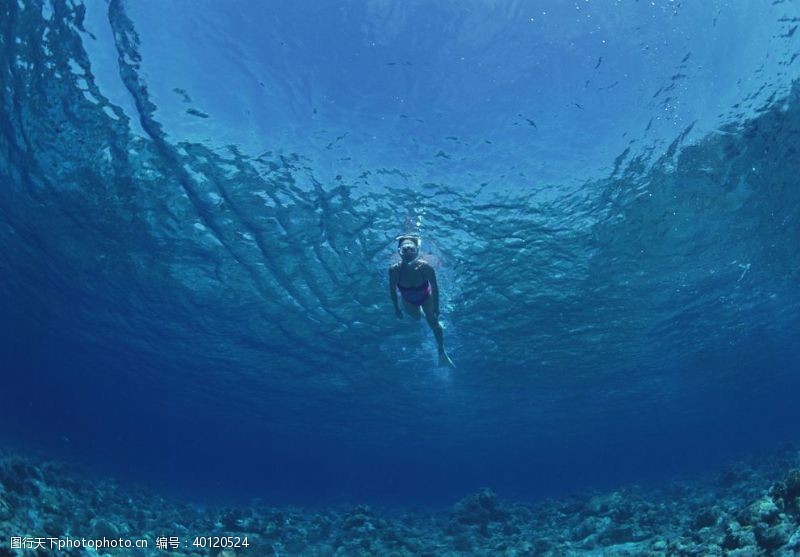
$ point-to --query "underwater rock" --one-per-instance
(772, 537)
(659, 545)
(17, 469)
(709, 536)
(361, 531)
(522, 549)
(57, 475)
(622, 533)
(599, 505)
(733, 474)
(737, 537)
(232, 520)
(23, 487)
(5, 509)
(794, 540)
(591, 525)
(320, 529)
(751, 551)
(685, 546)
(20, 479)
(359, 520)
(621, 506)
(462, 542)
(787, 493)
(54, 527)
(510, 529)
(704, 519)
(479, 509)
(295, 545)
(757, 517)
(102, 528)
(271, 530)
(762, 511)
(793, 484)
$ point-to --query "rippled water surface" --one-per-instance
(198, 205)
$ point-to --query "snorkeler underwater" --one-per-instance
(586, 216)
(419, 300)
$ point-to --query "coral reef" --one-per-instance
(750, 508)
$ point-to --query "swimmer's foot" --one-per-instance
(444, 360)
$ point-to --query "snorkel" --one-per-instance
(408, 248)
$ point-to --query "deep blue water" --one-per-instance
(198, 202)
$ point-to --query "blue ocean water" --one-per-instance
(198, 206)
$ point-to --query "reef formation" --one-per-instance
(748, 508)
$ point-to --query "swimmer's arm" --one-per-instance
(430, 274)
(393, 287)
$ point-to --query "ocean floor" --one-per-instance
(748, 508)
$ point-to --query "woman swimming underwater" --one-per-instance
(416, 280)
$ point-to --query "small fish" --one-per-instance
(198, 113)
(599, 61)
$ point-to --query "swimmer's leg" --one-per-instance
(412, 310)
(438, 332)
